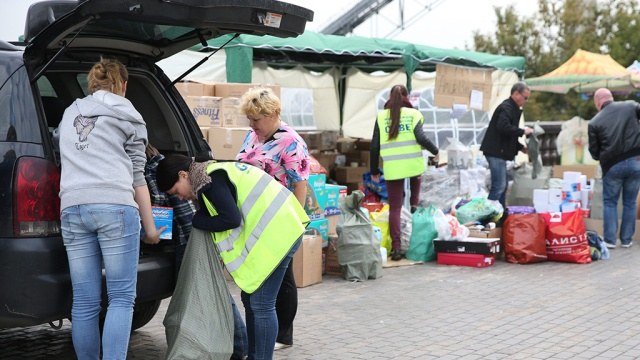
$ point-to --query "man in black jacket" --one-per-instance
(614, 140)
(500, 143)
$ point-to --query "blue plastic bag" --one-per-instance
(378, 187)
(597, 247)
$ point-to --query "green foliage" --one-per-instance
(552, 35)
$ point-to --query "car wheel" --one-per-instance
(143, 313)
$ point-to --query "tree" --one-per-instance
(549, 37)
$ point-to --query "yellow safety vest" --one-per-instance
(272, 221)
(402, 157)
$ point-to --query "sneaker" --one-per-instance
(627, 245)
(279, 346)
(396, 255)
(610, 245)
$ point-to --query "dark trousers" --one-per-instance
(395, 188)
(287, 307)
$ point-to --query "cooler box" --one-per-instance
(470, 245)
(473, 260)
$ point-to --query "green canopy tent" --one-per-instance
(344, 56)
(319, 52)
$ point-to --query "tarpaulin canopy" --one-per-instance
(322, 51)
(634, 68)
(585, 72)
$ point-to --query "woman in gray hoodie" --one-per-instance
(104, 196)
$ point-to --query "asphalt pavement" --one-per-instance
(540, 311)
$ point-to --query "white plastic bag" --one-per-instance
(448, 227)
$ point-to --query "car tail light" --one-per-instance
(36, 203)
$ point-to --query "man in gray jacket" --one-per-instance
(614, 140)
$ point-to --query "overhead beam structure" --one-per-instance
(365, 9)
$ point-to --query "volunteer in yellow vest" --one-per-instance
(398, 138)
(255, 222)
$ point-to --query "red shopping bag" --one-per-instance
(566, 237)
(523, 236)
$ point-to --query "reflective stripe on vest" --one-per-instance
(272, 221)
(402, 157)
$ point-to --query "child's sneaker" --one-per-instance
(627, 245)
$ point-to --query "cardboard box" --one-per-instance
(238, 89)
(205, 132)
(333, 194)
(597, 225)
(331, 265)
(205, 109)
(312, 205)
(307, 261)
(319, 227)
(192, 88)
(486, 233)
(484, 246)
(226, 142)
(231, 113)
(591, 171)
(473, 260)
(163, 216)
(346, 145)
(332, 224)
(320, 140)
(327, 160)
(350, 174)
(455, 84)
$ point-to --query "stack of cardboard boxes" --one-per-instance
(216, 108)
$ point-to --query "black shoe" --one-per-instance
(396, 255)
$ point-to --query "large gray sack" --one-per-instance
(199, 319)
(358, 252)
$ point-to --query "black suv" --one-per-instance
(43, 75)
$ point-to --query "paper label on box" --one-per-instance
(163, 216)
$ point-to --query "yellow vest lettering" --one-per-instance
(272, 221)
(402, 157)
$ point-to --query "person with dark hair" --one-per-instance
(398, 138)
(183, 211)
(500, 143)
(614, 140)
(103, 197)
(256, 224)
(278, 150)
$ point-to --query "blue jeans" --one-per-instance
(260, 311)
(97, 234)
(240, 346)
(498, 169)
(622, 177)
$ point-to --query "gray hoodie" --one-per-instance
(102, 143)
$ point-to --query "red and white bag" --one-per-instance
(566, 237)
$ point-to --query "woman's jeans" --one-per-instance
(622, 177)
(287, 306)
(498, 170)
(260, 311)
(97, 234)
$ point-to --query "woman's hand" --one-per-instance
(154, 237)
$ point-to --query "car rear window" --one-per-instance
(18, 116)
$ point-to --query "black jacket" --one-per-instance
(501, 138)
(614, 133)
